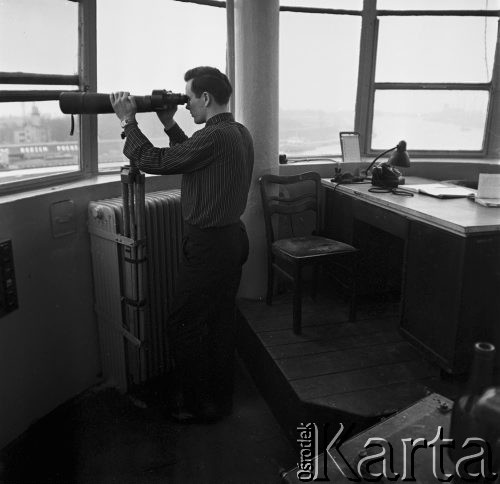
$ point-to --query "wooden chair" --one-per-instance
(297, 252)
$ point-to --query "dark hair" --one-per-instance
(211, 80)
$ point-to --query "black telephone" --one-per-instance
(385, 175)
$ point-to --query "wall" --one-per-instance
(48, 347)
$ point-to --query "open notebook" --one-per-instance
(441, 190)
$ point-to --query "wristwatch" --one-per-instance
(126, 122)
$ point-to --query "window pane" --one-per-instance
(430, 120)
(436, 49)
(35, 141)
(438, 4)
(333, 4)
(157, 58)
(318, 79)
(39, 36)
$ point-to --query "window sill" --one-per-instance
(153, 182)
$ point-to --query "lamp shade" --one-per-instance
(400, 156)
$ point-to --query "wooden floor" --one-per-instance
(336, 371)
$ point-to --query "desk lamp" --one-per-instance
(385, 174)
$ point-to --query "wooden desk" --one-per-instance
(450, 257)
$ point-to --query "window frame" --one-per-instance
(367, 86)
(85, 80)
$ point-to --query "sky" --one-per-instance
(146, 48)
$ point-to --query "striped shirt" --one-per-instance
(216, 164)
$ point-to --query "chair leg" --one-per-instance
(314, 286)
(297, 300)
(354, 276)
(270, 282)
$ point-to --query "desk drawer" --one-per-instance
(381, 218)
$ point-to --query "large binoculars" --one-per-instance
(95, 103)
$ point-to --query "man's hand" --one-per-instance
(124, 105)
(166, 116)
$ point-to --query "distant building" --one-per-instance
(32, 130)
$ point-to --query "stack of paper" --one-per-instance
(488, 190)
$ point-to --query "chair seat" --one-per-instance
(309, 247)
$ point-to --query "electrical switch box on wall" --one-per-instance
(8, 291)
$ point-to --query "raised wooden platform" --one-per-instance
(336, 371)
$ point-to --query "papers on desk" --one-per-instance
(488, 190)
(441, 190)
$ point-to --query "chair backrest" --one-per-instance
(288, 204)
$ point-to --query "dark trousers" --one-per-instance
(202, 321)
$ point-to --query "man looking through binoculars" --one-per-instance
(216, 164)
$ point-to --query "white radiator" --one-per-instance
(134, 279)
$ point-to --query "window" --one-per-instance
(178, 36)
(419, 70)
(430, 120)
(319, 56)
(34, 135)
(432, 76)
(35, 142)
(436, 49)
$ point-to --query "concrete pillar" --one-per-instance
(256, 50)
